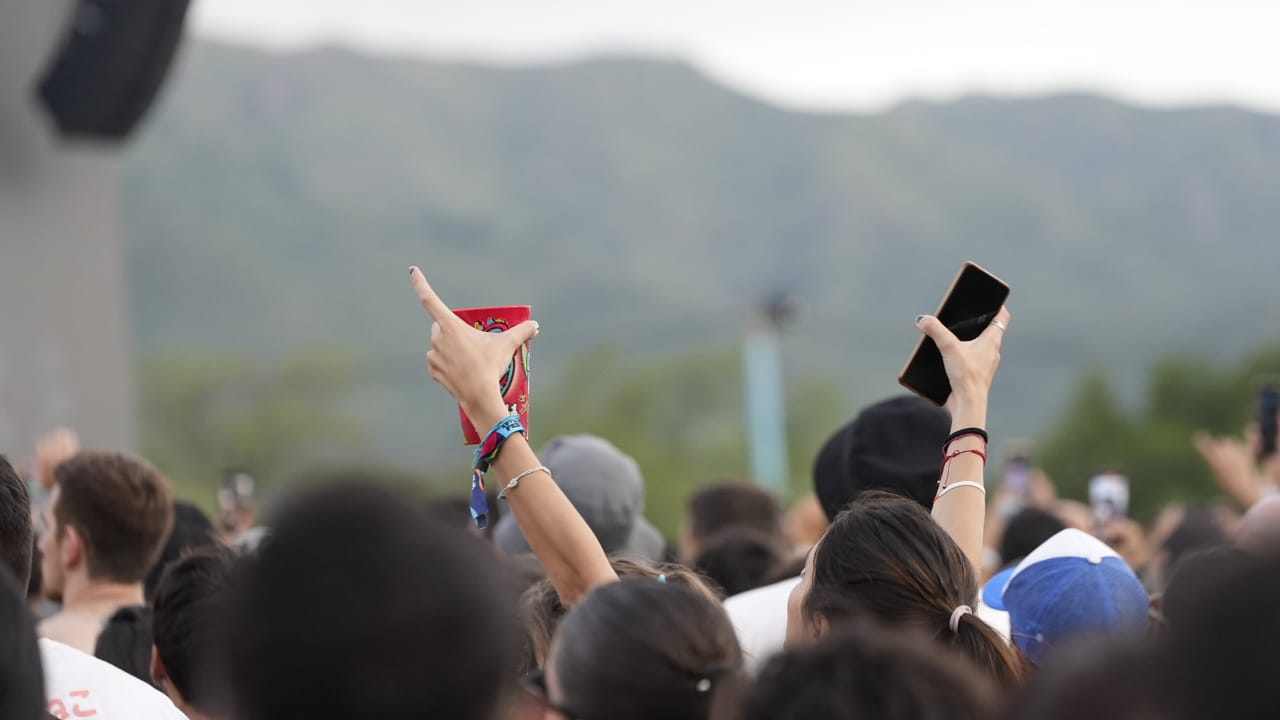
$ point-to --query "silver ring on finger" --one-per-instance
(1000, 325)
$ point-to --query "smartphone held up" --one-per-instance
(1268, 417)
(972, 303)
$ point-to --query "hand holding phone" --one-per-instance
(1109, 497)
(1268, 419)
(974, 304)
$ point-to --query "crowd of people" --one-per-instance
(896, 590)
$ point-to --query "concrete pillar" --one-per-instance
(64, 336)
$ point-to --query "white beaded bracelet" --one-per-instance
(515, 481)
(953, 486)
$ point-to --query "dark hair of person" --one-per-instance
(719, 507)
(866, 671)
(1224, 647)
(122, 508)
(541, 610)
(125, 641)
(1198, 531)
(638, 649)
(15, 523)
(191, 529)
(1198, 575)
(1097, 679)
(21, 675)
(739, 560)
(1026, 531)
(356, 606)
(36, 581)
(886, 558)
(188, 625)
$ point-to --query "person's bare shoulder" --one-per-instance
(78, 632)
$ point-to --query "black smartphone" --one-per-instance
(968, 308)
(1268, 412)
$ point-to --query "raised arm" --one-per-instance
(960, 507)
(1232, 463)
(468, 362)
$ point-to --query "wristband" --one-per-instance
(963, 432)
(965, 483)
(493, 441)
(484, 457)
(479, 503)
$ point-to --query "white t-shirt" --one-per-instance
(82, 686)
(759, 618)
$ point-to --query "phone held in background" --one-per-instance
(1109, 497)
(235, 492)
(1017, 479)
(968, 308)
(1268, 412)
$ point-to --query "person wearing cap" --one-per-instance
(1073, 585)
(896, 446)
(891, 445)
(605, 486)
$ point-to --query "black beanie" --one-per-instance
(894, 445)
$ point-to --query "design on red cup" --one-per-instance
(514, 383)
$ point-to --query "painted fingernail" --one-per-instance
(536, 326)
(919, 318)
(411, 269)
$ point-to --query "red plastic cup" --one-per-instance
(514, 383)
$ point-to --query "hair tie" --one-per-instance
(957, 614)
(703, 684)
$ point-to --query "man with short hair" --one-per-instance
(723, 506)
(15, 523)
(106, 520)
(186, 661)
(76, 684)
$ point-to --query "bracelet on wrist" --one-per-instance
(484, 456)
(966, 432)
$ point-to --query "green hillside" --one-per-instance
(275, 201)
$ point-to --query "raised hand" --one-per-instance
(1232, 463)
(468, 363)
(52, 449)
(465, 361)
(971, 366)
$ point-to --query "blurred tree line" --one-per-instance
(1151, 444)
(679, 415)
(203, 413)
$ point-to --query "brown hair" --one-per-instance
(886, 558)
(715, 508)
(121, 507)
(639, 649)
(541, 610)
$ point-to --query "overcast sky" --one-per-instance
(826, 54)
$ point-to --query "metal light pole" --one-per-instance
(765, 397)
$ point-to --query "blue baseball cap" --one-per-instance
(1072, 585)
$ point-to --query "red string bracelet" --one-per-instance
(945, 471)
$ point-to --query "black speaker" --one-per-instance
(110, 65)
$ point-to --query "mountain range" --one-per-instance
(275, 200)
